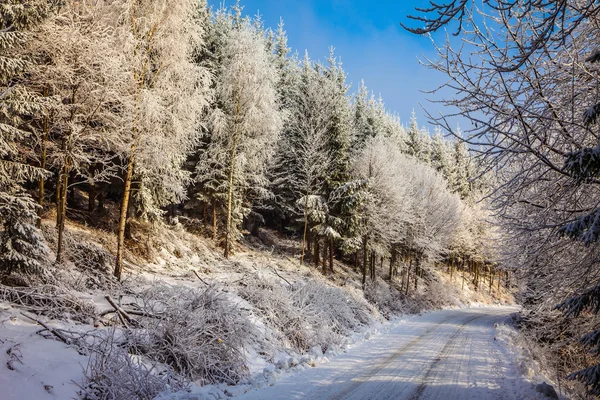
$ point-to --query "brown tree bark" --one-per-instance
(364, 266)
(408, 275)
(331, 255)
(317, 252)
(63, 210)
(417, 270)
(214, 219)
(123, 215)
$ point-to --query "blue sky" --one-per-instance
(368, 38)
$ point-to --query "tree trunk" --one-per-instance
(231, 176)
(123, 215)
(373, 265)
(417, 271)
(331, 255)
(393, 260)
(324, 259)
(214, 219)
(305, 228)
(130, 210)
(317, 252)
(408, 275)
(364, 266)
(92, 194)
(356, 261)
(63, 210)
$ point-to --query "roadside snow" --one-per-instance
(448, 354)
(34, 367)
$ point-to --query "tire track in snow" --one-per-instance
(449, 348)
(373, 371)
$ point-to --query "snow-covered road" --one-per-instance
(449, 354)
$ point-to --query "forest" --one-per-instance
(211, 120)
(137, 119)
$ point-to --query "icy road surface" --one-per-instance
(449, 354)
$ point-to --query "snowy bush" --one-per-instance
(439, 294)
(199, 333)
(306, 314)
(386, 298)
(112, 374)
(345, 313)
(49, 300)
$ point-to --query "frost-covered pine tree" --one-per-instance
(464, 171)
(442, 157)
(17, 101)
(21, 245)
(417, 141)
(284, 160)
(583, 166)
(168, 91)
(369, 117)
(298, 173)
(83, 73)
(243, 124)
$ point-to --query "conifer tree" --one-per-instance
(463, 170)
(168, 93)
(243, 125)
(417, 141)
(442, 157)
(285, 158)
(21, 246)
(84, 73)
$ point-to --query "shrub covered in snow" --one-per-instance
(306, 314)
(50, 300)
(201, 334)
(386, 298)
(114, 374)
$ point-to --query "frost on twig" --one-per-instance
(112, 373)
(198, 333)
(306, 314)
(49, 300)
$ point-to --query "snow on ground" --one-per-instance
(448, 354)
(32, 367)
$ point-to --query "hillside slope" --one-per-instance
(186, 316)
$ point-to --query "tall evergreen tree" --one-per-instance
(442, 157)
(21, 246)
(168, 91)
(243, 125)
(417, 141)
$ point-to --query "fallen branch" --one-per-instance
(277, 273)
(131, 312)
(122, 314)
(62, 338)
(198, 276)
